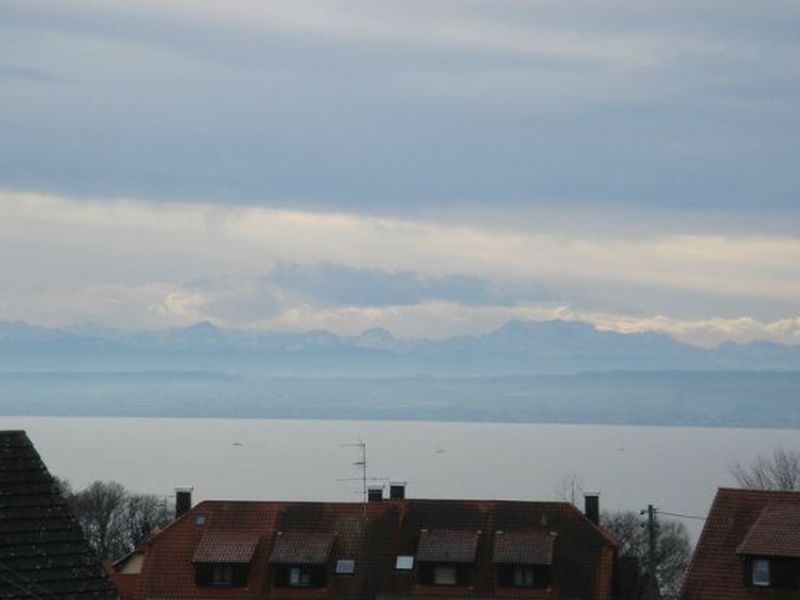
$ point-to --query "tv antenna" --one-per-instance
(361, 463)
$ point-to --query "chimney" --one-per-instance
(375, 493)
(183, 500)
(591, 507)
(397, 490)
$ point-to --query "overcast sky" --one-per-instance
(433, 167)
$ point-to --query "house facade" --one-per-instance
(387, 549)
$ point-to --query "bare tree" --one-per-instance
(143, 513)
(780, 471)
(673, 550)
(99, 508)
(113, 519)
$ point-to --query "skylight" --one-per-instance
(345, 566)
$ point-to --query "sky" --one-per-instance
(434, 168)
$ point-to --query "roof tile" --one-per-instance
(523, 548)
(230, 547)
(716, 571)
(450, 546)
(776, 532)
(42, 549)
(302, 548)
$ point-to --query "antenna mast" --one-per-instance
(361, 463)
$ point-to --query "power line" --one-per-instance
(681, 516)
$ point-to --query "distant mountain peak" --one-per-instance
(520, 328)
(375, 333)
(203, 326)
(517, 347)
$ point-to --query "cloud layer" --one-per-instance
(432, 167)
(130, 263)
(378, 106)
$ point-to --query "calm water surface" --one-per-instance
(677, 469)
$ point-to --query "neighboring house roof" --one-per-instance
(293, 533)
(43, 553)
(741, 522)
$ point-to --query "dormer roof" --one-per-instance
(226, 547)
(447, 546)
(776, 532)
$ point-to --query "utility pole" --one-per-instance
(652, 533)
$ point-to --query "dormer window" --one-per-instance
(523, 559)
(445, 557)
(222, 575)
(222, 558)
(523, 576)
(303, 576)
(300, 559)
(771, 549)
(445, 575)
(760, 572)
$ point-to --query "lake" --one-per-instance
(678, 469)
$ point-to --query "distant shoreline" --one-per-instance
(730, 399)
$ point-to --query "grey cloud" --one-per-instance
(362, 120)
(340, 285)
(17, 72)
(242, 304)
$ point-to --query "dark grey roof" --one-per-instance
(43, 553)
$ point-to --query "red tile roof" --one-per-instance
(523, 548)
(717, 571)
(776, 532)
(230, 547)
(302, 548)
(582, 557)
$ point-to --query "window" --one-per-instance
(761, 575)
(522, 576)
(445, 575)
(222, 575)
(345, 566)
(404, 563)
(300, 576)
